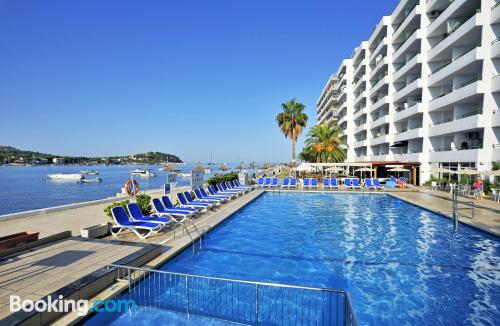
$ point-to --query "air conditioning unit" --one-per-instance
(434, 13)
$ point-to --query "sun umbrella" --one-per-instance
(241, 166)
(442, 170)
(223, 167)
(468, 172)
(361, 170)
(495, 173)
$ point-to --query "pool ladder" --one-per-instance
(456, 210)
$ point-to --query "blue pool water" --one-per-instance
(400, 264)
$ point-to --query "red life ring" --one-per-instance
(131, 187)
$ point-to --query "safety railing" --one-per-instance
(237, 301)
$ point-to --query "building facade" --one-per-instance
(423, 88)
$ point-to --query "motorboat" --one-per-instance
(143, 173)
(185, 175)
(94, 180)
(65, 176)
(89, 172)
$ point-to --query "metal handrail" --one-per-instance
(454, 29)
(241, 301)
(451, 61)
(454, 88)
(457, 117)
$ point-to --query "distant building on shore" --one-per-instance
(58, 160)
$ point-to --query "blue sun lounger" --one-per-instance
(314, 183)
(200, 198)
(122, 222)
(334, 183)
(355, 184)
(348, 184)
(190, 199)
(168, 204)
(377, 184)
(326, 183)
(214, 191)
(231, 186)
(222, 187)
(275, 183)
(210, 195)
(237, 183)
(183, 202)
(369, 184)
(260, 182)
(305, 183)
(390, 184)
(199, 194)
(293, 183)
(286, 183)
(161, 210)
(267, 182)
(136, 215)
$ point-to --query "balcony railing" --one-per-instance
(406, 16)
(408, 129)
(449, 149)
(454, 29)
(454, 88)
(457, 117)
(409, 36)
(404, 64)
(402, 107)
(447, 63)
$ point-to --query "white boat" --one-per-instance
(143, 173)
(185, 175)
(208, 171)
(94, 180)
(89, 172)
(65, 176)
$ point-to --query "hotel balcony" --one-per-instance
(359, 97)
(472, 120)
(495, 83)
(495, 14)
(380, 121)
(495, 48)
(383, 44)
(361, 127)
(359, 68)
(459, 93)
(405, 112)
(359, 82)
(495, 119)
(408, 89)
(407, 157)
(409, 45)
(407, 21)
(381, 156)
(360, 143)
(383, 81)
(448, 155)
(410, 133)
(360, 112)
(468, 33)
(376, 69)
(379, 103)
(379, 31)
(381, 139)
(458, 65)
(410, 66)
(457, 8)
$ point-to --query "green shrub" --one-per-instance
(428, 182)
(108, 209)
(144, 202)
(222, 178)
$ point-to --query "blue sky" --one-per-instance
(101, 77)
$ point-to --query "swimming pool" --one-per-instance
(400, 264)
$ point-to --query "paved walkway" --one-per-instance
(72, 219)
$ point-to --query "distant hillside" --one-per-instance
(9, 154)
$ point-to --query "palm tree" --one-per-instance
(292, 121)
(324, 145)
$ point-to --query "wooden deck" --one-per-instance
(73, 266)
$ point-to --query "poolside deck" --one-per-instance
(72, 267)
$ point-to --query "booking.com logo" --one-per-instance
(69, 305)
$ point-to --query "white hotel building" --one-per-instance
(423, 88)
